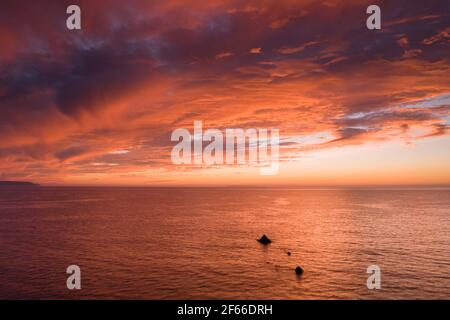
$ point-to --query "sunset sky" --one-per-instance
(98, 105)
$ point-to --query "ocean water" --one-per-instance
(200, 243)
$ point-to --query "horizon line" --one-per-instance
(296, 186)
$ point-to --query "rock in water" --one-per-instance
(298, 270)
(265, 240)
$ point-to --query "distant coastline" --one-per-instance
(18, 183)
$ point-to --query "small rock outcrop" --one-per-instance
(264, 240)
(298, 270)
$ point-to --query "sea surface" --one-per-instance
(200, 243)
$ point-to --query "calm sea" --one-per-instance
(200, 243)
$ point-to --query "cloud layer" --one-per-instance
(70, 101)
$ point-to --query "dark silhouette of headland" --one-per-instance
(18, 184)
